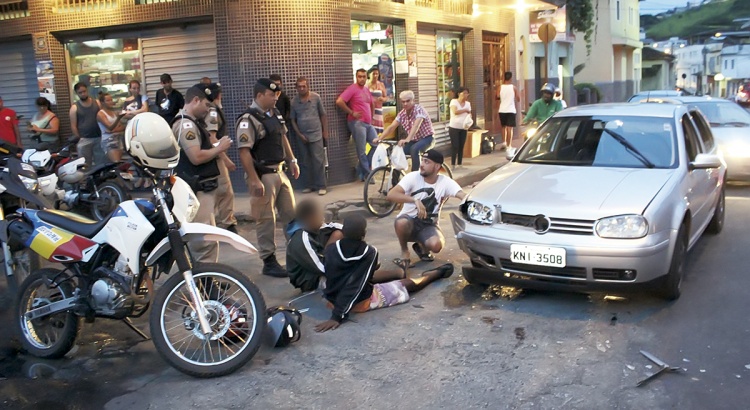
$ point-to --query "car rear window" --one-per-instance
(603, 141)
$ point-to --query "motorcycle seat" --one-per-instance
(102, 167)
(72, 222)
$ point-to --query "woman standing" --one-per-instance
(45, 125)
(377, 89)
(460, 114)
(135, 103)
(111, 127)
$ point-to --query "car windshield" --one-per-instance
(603, 141)
(724, 114)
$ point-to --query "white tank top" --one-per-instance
(507, 98)
(106, 134)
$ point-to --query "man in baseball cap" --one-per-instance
(423, 194)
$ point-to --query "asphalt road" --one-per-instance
(451, 346)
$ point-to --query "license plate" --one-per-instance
(537, 255)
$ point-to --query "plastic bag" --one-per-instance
(468, 122)
(380, 157)
(398, 158)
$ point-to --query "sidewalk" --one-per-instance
(349, 198)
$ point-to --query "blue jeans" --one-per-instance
(362, 134)
(416, 148)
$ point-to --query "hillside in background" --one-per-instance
(712, 17)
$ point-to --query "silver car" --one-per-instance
(602, 197)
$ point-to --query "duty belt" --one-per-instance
(269, 168)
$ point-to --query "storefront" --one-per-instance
(20, 84)
(108, 65)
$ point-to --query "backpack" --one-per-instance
(488, 144)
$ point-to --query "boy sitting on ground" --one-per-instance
(309, 235)
(354, 285)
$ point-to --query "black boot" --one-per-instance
(232, 228)
(272, 268)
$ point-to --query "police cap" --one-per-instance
(267, 84)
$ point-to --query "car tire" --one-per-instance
(470, 280)
(672, 283)
(717, 222)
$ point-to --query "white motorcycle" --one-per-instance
(206, 321)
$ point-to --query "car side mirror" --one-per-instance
(705, 161)
(510, 152)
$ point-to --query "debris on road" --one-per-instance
(686, 360)
(520, 333)
(747, 366)
(663, 367)
(630, 366)
(505, 292)
(417, 306)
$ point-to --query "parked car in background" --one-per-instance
(608, 196)
(730, 126)
(646, 95)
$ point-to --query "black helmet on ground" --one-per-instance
(283, 325)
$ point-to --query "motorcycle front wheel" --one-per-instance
(50, 336)
(236, 314)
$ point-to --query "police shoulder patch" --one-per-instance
(190, 136)
(187, 124)
(244, 125)
(244, 138)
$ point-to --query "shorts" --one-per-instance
(383, 295)
(112, 142)
(421, 229)
(508, 119)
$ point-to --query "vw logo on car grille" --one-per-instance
(541, 224)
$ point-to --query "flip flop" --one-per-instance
(445, 270)
(423, 256)
(404, 264)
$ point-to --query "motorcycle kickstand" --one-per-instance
(132, 327)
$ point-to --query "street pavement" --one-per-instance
(452, 346)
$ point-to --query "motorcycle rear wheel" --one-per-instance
(236, 313)
(51, 336)
(111, 195)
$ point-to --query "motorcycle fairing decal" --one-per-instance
(127, 241)
(58, 245)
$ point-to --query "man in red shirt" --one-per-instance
(356, 101)
(9, 125)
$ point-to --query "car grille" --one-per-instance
(566, 272)
(613, 274)
(557, 225)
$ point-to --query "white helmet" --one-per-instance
(150, 141)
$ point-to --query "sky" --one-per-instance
(658, 6)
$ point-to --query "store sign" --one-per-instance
(556, 17)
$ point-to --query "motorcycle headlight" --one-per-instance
(479, 213)
(29, 183)
(622, 227)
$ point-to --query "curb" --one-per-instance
(339, 210)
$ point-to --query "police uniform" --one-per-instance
(263, 133)
(215, 122)
(203, 178)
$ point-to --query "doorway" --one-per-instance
(494, 63)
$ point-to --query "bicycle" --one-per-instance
(382, 179)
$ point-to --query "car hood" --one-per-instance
(570, 192)
(728, 136)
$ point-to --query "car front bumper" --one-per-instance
(591, 262)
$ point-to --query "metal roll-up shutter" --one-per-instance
(187, 57)
(20, 88)
(427, 71)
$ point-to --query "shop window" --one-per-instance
(449, 70)
(14, 10)
(74, 6)
(105, 65)
(373, 45)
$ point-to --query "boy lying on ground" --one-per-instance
(354, 285)
(309, 235)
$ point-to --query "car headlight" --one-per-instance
(622, 227)
(482, 214)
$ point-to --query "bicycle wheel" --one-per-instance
(378, 183)
(446, 170)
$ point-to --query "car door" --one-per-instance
(699, 180)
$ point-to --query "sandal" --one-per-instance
(423, 256)
(445, 270)
(404, 264)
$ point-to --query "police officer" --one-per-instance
(198, 163)
(217, 127)
(264, 148)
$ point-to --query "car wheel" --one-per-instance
(470, 279)
(717, 222)
(671, 286)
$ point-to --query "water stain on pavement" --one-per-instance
(459, 294)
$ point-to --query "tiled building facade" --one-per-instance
(255, 38)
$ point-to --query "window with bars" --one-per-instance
(145, 2)
(13, 9)
(74, 6)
